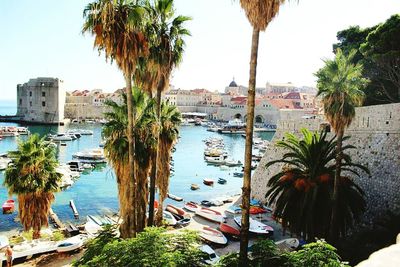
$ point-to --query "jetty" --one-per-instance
(74, 210)
(54, 218)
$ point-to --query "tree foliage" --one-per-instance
(301, 191)
(378, 50)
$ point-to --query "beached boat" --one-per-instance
(257, 210)
(71, 244)
(209, 214)
(212, 257)
(169, 218)
(176, 210)
(206, 203)
(221, 181)
(289, 244)
(173, 197)
(8, 206)
(194, 186)
(208, 181)
(191, 206)
(229, 229)
(256, 227)
(213, 235)
(234, 209)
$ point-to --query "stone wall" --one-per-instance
(375, 132)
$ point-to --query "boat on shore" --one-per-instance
(176, 210)
(229, 229)
(289, 244)
(213, 235)
(191, 206)
(167, 216)
(209, 214)
(256, 227)
(8, 206)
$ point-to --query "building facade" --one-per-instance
(41, 100)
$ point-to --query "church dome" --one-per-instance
(233, 84)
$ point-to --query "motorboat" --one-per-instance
(208, 181)
(22, 130)
(233, 163)
(93, 156)
(194, 186)
(169, 218)
(212, 257)
(173, 197)
(235, 126)
(213, 235)
(229, 229)
(256, 227)
(220, 160)
(209, 214)
(4, 162)
(61, 137)
(191, 206)
(75, 165)
(85, 132)
(289, 244)
(222, 181)
(238, 174)
(8, 206)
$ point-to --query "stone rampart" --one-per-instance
(375, 132)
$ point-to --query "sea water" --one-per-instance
(96, 192)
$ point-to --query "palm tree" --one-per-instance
(115, 133)
(170, 119)
(33, 177)
(117, 27)
(340, 85)
(166, 50)
(301, 191)
(259, 13)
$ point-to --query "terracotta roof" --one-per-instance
(284, 104)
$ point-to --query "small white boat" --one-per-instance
(212, 257)
(191, 206)
(173, 197)
(209, 214)
(169, 218)
(289, 244)
(61, 137)
(213, 235)
(90, 156)
(256, 227)
(233, 163)
(71, 244)
(215, 160)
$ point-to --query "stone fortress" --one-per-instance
(375, 132)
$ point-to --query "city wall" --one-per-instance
(375, 132)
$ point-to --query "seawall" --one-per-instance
(375, 132)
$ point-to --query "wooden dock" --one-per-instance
(74, 210)
(54, 218)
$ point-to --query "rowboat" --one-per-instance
(207, 181)
(211, 257)
(229, 229)
(289, 244)
(221, 181)
(213, 235)
(209, 214)
(238, 174)
(194, 186)
(257, 210)
(256, 227)
(8, 206)
(169, 218)
(206, 203)
(173, 197)
(191, 206)
(175, 210)
(234, 209)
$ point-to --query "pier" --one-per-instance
(54, 218)
(74, 210)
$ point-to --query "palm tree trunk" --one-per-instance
(128, 227)
(244, 232)
(154, 165)
(333, 225)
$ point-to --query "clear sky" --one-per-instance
(42, 38)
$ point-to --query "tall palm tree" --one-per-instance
(301, 191)
(340, 85)
(259, 13)
(115, 133)
(166, 50)
(170, 119)
(33, 177)
(118, 30)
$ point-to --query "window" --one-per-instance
(20, 101)
(43, 94)
(30, 93)
(43, 103)
(30, 103)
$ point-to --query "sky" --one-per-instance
(43, 38)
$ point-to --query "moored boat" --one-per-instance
(208, 181)
(221, 181)
(8, 206)
(173, 197)
(194, 186)
(209, 214)
(213, 235)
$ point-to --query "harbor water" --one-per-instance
(96, 192)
